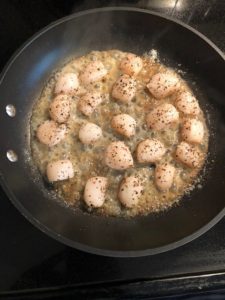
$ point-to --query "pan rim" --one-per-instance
(53, 234)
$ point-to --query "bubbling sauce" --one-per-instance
(88, 160)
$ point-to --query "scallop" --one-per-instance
(89, 133)
(124, 89)
(164, 175)
(124, 124)
(189, 155)
(187, 104)
(118, 156)
(150, 151)
(131, 64)
(67, 84)
(94, 71)
(130, 191)
(163, 85)
(59, 108)
(89, 102)
(162, 117)
(95, 190)
(50, 133)
(60, 170)
(193, 131)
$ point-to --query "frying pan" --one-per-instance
(127, 29)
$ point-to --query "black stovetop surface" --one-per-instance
(31, 260)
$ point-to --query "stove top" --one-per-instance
(30, 260)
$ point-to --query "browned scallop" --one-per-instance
(124, 124)
(89, 133)
(118, 156)
(193, 131)
(94, 71)
(130, 191)
(187, 103)
(59, 170)
(89, 102)
(164, 175)
(189, 155)
(150, 151)
(95, 190)
(67, 84)
(163, 85)
(50, 133)
(59, 108)
(124, 89)
(131, 64)
(162, 117)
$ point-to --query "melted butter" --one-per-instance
(88, 160)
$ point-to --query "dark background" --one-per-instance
(33, 265)
(20, 19)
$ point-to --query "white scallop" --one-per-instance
(89, 102)
(60, 170)
(162, 85)
(193, 131)
(162, 117)
(89, 133)
(124, 89)
(124, 124)
(94, 71)
(150, 151)
(67, 83)
(50, 133)
(118, 156)
(189, 155)
(130, 191)
(187, 104)
(131, 64)
(59, 108)
(95, 190)
(164, 175)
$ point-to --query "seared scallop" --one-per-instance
(163, 85)
(189, 155)
(67, 83)
(94, 71)
(50, 133)
(60, 170)
(89, 133)
(150, 151)
(130, 191)
(95, 190)
(89, 102)
(162, 117)
(187, 103)
(131, 64)
(118, 156)
(164, 175)
(193, 131)
(124, 89)
(59, 108)
(124, 124)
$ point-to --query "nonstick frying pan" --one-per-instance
(137, 31)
